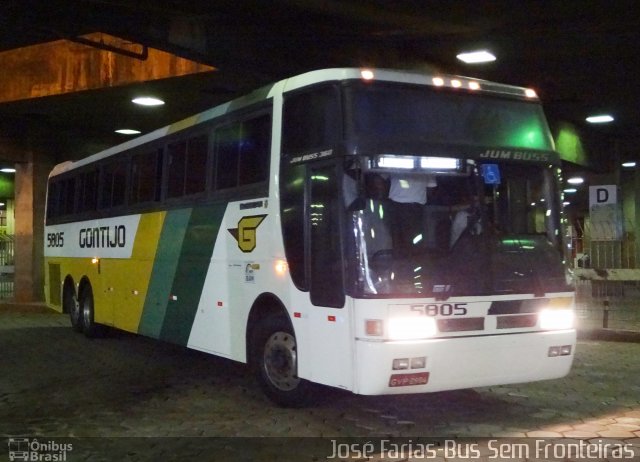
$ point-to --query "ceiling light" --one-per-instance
(8, 170)
(476, 57)
(630, 164)
(575, 180)
(600, 119)
(128, 131)
(147, 101)
(570, 190)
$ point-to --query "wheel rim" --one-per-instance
(280, 361)
(74, 309)
(87, 311)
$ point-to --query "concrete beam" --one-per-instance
(63, 67)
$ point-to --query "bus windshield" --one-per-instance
(400, 115)
(489, 228)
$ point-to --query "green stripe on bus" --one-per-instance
(163, 272)
(191, 272)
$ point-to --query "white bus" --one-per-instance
(372, 230)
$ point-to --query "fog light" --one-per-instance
(565, 350)
(401, 363)
(554, 351)
(419, 363)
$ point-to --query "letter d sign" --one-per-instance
(602, 195)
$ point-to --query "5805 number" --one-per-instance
(55, 239)
(441, 309)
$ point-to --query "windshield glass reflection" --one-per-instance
(492, 229)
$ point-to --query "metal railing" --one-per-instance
(610, 304)
(608, 277)
(7, 267)
(592, 252)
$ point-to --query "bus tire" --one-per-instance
(89, 326)
(275, 364)
(72, 306)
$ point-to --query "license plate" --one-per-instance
(407, 380)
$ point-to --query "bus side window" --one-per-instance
(113, 183)
(327, 286)
(227, 141)
(88, 198)
(311, 120)
(146, 175)
(292, 186)
(242, 152)
(52, 199)
(67, 196)
(61, 199)
(176, 166)
(196, 167)
(254, 150)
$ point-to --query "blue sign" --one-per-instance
(490, 173)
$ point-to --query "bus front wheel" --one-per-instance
(276, 364)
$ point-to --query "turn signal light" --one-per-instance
(373, 327)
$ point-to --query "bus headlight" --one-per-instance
(556, 319)
(413, 327)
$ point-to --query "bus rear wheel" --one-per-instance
(72, 306)
(89, 326)
(276, 364)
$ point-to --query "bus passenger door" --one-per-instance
(330, 333)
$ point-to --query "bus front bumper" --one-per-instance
(462, 362)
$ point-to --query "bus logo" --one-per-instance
(245, 233)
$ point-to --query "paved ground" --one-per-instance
(129, 398)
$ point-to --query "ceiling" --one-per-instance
(581, 57)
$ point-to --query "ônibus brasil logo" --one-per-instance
(31, 449)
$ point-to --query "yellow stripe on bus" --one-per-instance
(132, 276)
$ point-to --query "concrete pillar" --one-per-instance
(628, 183)
(30, 192)
(24, 249)
(636, 217)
